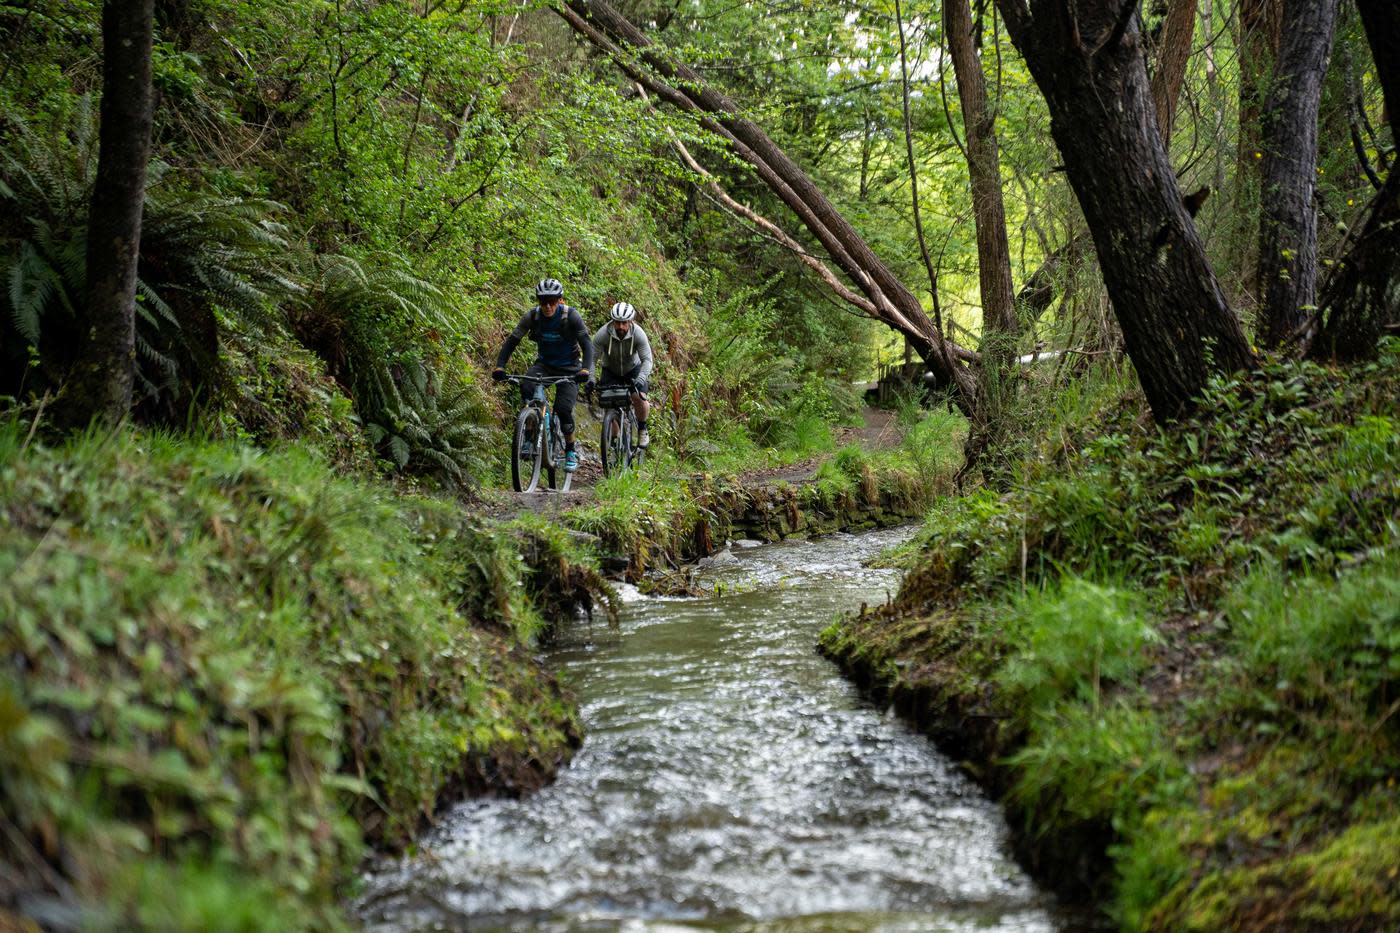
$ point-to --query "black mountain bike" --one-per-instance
(618, 441)
(538, 441)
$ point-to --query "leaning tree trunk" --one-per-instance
(1362, 300)
(1086, 57)
(1287, 258)
(678, 84)
(1172, 55)
(999, 321)
(100, 383)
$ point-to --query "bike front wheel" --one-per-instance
(525, 451)
(635, 454)
(610, 443)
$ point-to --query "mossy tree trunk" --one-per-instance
(1086, 56)
(999, 321)
(100, 383)
(1287, 257)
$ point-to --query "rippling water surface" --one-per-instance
(730, 780)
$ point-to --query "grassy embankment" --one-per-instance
(663, 515)
(233, 670)
(228, 671)
(1178, 654)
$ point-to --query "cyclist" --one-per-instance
(563, 350)
(624, 357)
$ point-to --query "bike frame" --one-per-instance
(626, 421)
(546, 433)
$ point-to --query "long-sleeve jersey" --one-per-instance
(621, 354)
(562, 338)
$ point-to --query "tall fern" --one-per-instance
(359, 314)
(197, 251)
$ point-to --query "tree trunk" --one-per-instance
(1258, 41)
(1362, 299)
(1172, 54)
(1261, 26)
(1174, 51)
(1087, 59)
(984, 171)
(100, 383)
(680, 85)
(1381, 20)
(1287, 259)
(999, 321)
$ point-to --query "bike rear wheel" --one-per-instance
(525, 451)
(554, 460)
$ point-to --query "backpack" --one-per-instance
(535, 320)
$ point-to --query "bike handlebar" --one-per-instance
(542, 380)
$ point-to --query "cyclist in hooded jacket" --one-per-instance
(563, 350)
(624, 357)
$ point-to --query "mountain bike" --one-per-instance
(618, 439)
(538, 440)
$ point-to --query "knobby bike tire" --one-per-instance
(525, 474)
(626, 439)
(635, 455)
(612, 463)
(557, 447)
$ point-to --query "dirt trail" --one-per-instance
(880, 431)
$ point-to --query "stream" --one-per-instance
(731, 779)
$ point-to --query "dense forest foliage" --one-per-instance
(257, 261)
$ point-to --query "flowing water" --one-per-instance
(731, 779)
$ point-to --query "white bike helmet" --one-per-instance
(549, 288)
(622, 311)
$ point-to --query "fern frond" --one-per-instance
(399, 450)
(32, 285)
(153, 300)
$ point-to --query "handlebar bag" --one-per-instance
(614, 397)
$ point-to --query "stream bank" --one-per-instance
(229, 672)
(656, 527)
(1175, 656)
(731, 780)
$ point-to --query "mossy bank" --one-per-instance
(227, 672)
(656, 520)
(1176, 655)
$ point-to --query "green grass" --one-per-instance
(229, 664)
(1073, 641)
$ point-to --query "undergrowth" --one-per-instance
(1178, 651)
(225, 664)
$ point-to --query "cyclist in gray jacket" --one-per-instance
(623, 355)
